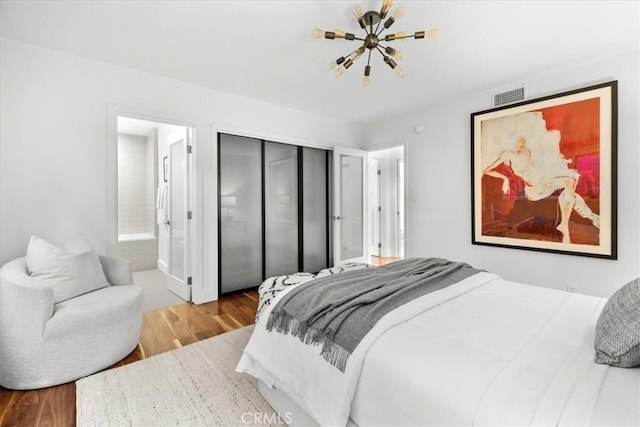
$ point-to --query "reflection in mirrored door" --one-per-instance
(240, 209)
(314, 210)
(273, 214)
(281, 208)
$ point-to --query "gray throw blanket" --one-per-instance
(336, 312)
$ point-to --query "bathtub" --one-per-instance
(140, 249)
(136, 237)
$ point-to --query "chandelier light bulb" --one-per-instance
(357, 53)
(395, 53)
(317, 33)
(399, 12)
(342, 68)
(386, 5)
(399, 72)
(399, 36)
(357, 11)
(335, 64)
(390, 62)
(366, 80)
(432, 34)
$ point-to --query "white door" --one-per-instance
(349, 205)
(179, 173)
(375, 207)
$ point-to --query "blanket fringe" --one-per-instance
(333, 353)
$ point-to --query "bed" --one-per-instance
(482, 351)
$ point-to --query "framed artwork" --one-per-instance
(543, 173)
(283, 193)
(165, 168)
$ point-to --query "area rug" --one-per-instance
(195, 385)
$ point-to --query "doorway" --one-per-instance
(386, 210)
(153, 198)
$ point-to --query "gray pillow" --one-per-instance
(617, 340)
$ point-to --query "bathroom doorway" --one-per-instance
(153, 199)
(386, 216)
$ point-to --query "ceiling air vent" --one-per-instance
(509, 96)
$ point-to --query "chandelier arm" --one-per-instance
(377, 27)
(381, 29)
(369, 58)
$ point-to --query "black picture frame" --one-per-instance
(544, 174)
(165, 168)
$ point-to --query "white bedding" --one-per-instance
(482, 352)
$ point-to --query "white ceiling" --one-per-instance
(264, 49)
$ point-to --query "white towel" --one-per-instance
(161, 204)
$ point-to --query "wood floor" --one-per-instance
(379, 260)
(162, 330)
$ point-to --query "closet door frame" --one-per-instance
(300, 207)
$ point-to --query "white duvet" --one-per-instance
(481, 352)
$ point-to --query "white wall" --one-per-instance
(439, 200)
(53, 145)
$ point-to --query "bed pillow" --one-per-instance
(69, 274)
(617, 341)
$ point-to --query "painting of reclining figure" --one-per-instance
(544, 174)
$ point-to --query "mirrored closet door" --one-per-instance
(240, 212)
(273, 211)
(281, 208)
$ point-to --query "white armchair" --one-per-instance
(44, 344)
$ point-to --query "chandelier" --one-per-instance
(371, 23)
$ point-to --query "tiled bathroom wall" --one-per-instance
(137, 241)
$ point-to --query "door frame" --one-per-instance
(405, 156)
(195, 235)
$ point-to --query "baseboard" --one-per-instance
(162, 266)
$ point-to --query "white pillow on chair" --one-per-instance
(71, 271)
(78, 245)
